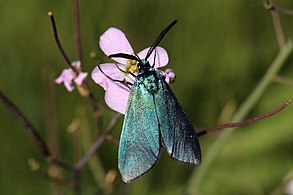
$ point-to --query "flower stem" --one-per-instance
(58, 43)
(81, 163)
(94, 163)
(77, 30)
(271, 5)
(27, 124)
(33, 132)
(197, 177)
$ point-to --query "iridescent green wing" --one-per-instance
(139, 147)
(178, 135)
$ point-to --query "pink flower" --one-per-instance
(68, 75)
(169, 75)
(114, 41)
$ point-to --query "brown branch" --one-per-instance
(81, 163)
(270, 5)
(283, 80)
(284, 11)
(58, 43)
(33, 132)
(61, 164)
(77, 30)
(246, 122)
(278, 29)
(111, 139)
(93, 100)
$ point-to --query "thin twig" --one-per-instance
(81, 163)
(33, 132)
(284, 11)
(77, 30)
(93, 100)
(27, 124)
(112, 140)
(270, 4)
(278, 29)
(62, 164)
(283, 80)
(246, 122)
(58, 43)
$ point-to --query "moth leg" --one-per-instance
(134, 76)
(125, 71)
(135, 54)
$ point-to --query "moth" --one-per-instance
(154, 120)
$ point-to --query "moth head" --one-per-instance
(143, 65)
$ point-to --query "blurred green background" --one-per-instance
(219, 51)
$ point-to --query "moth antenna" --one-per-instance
(160, 37)
(125, 56)
(135, 54)
(154, 58)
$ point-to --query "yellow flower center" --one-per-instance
(131, 66)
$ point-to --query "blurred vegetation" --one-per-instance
(219, 51)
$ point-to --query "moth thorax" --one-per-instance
(151, 83)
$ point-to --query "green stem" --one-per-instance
(247, 105)
(94, 163)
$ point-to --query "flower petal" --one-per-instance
(79, 79)
(69, 86)
(66, 77)
(116, 97)
(76, 64)
(59, 80)
(170, 76)
(161, 56)
(109, 69)
(114, 41)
